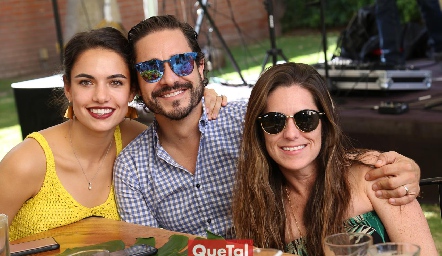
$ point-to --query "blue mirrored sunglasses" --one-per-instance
(181, 64)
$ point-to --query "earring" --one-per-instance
(132, 113)
(69, 111)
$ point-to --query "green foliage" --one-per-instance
(337, 13)
(148, 241)
(174, 246)
(8, 110)
(211, 235)
(432, 214)
(409, 11)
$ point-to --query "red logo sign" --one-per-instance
(205, 247)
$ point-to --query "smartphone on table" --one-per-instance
(36, 246)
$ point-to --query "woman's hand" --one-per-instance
(398, 178)
(213, 103)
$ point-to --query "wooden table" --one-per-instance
(96, 230)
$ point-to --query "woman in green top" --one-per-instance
(298, 181)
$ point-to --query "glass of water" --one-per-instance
(354, 244)
(4, 238)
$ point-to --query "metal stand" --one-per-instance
(324, 46)
(208, 48)
(321, 4)
(215, 29)
(274, 52)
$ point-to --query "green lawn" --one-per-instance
(10, 133)
(302, 47)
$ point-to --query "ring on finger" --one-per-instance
(407, 191)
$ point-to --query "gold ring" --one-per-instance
(407, 192)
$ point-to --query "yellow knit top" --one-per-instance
(53, 206)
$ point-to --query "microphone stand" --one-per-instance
(215, 29)
(274, 52)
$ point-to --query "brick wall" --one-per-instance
(29, 44)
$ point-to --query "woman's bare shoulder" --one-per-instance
(26, 161)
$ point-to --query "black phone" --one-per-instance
(36, 246)
(136, 250)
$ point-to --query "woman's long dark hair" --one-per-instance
(258, 203)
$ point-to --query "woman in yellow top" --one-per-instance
(64, 173)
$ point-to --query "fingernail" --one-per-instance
(378, 194)
(392, 201)
(379, 162)
(367, 176)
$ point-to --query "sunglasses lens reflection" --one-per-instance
(151, 71)
(181, 64)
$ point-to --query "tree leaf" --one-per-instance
(145, 240)
(174, 246)
(211, 235)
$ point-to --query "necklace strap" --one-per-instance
(293, 212)
(101, 161)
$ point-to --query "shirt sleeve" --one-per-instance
(131, 201)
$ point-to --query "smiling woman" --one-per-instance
(63, 173)
(73, 160)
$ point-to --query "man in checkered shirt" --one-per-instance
(179, 173)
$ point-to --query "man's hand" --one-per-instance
(396, 174)
(213, 103)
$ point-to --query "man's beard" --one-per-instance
(179, 111)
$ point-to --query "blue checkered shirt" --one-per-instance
(153, 190)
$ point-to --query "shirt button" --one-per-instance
(209, 220)
(198, 185)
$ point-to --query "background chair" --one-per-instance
(434, 181)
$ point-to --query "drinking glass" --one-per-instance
(267, 252)
(386, 249)
(94, 252)
(4, 238)
(354, 244)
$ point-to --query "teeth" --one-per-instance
(172, 94)
(293, 148)
(101, 111)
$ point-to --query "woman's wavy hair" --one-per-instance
(258, 202)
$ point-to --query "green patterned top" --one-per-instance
(368, 223)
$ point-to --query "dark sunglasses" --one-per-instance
(181, 64)
(305, 120)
